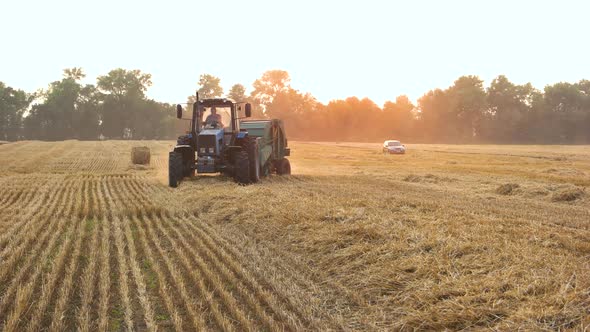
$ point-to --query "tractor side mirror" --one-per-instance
(179, 111)
(248, 110)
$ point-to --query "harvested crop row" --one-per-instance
(263, 302)
(249, 292)
(37, 228)
(28, 273)
(22, 209)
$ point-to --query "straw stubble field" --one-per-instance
(444, 237)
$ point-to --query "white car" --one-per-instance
(393, 147)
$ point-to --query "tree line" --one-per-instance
(116, 107)
(466, 112)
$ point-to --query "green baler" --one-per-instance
(272, 145)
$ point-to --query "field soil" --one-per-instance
(443, 237)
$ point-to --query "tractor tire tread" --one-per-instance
(174, 169)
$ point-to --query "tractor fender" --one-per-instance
(240, 137)
(241, 134)
(180, 148)
(185, 150)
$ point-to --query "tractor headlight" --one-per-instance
(202, 150)
(211, 150)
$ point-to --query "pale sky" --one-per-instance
(332, 49)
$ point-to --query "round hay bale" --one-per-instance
(140, 155)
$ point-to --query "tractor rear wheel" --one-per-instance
(174, 169)
(254, 159)
(283, 167)
(242, 168)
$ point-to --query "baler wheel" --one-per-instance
(254, 159)
(283, 167)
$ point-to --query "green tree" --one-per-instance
(153, 120)
(75, 73)
(237, 93)
(209, 87)
(567, 109)
(125, 83)
(123, 102)
(584, 87)
(67, 110)
(508, 108)
(13, 104)
(468, 104)
(87, 116)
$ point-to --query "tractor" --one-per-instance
(220, 140)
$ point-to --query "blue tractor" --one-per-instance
(220, 140)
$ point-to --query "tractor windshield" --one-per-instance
(217, 117)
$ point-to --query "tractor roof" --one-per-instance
(216, 102)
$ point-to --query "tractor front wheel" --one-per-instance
(242, 168)
(175, 169)
(187, 165)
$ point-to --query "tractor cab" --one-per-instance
(217, 123)
(214, 130)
